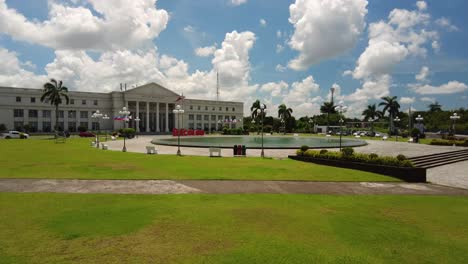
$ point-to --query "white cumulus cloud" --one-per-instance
(423, 74)
(324, 29)
(407, 100)
(448, 88)
(205, 51)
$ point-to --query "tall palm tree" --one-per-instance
(435, 107)
(53, 92)
(371, 113)
(391, 105)
(328, 108)
(284, 113)
(255, 109)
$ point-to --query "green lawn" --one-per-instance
(86, 228)
(77, 160)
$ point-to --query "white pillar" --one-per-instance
(167, 117)
(65, 120)
(40, 120)
(157, 117)
(137, 124)
(147, 117)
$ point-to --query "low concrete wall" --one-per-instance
(402, 173)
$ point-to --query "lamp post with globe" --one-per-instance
(97, 115)
(262, 113)
(341, 109)
(137, 120)
(178, 111)
(105, 117)
(125, 116)
(396, 120)
(454, 118)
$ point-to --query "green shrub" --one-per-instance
(401, 157)
(127, 132)
(357, 157)
(347, 151)
(304, 148)
(415, 132)
(2, 127)
(442, 142)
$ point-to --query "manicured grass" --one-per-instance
(85, 228)
(75, 159)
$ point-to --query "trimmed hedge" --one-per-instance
(357, 157)
(444, 142)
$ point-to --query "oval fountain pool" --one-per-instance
(255, 142)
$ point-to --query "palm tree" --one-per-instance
(284, 113)
(435, 107)
(53, 92)
(391, 105)
(255, 109)
(328, 108)
(371, 113)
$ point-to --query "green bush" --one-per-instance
(415, 132)
(356, 157)
(347, 151)
(401, 157)
(304, 148)
(127, 132)
(323, 151)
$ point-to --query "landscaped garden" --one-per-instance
(75, 159)
(78, 228)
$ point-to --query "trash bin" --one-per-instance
(234, 150)
(244, 150)
(239, 150)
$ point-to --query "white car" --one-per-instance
(14, 134)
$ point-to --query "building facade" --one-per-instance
(152, 103)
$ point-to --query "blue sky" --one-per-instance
(195, 24)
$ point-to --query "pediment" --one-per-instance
(152, 90)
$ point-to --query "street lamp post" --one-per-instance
(396, 120)
(137, 120)
(97, 115)
(262, 111)
(106, 117)
(341, 109)
(125, 115)
(178, 111)
(454, 118)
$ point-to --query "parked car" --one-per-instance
(15, 134)
(87, 134)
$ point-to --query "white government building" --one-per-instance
(152, 103)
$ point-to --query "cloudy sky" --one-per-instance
(278, 51)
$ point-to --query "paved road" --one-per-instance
(223, 187)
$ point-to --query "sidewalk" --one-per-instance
(224, 187)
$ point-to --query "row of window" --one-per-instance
(48, 113)
(47, 126)
(213, 108)
(72, 101)
(213, 117)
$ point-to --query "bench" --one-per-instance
(151, 150)
(104, 146)
(215, 150)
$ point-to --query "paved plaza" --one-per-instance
(454, 175)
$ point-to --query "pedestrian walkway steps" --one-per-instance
(439, 159)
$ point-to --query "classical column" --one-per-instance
(90, 120)
(157, 117)
(137, 124)
(65, 120)
(40, 120)
(147, 117)
(167, 117)
(52, 120)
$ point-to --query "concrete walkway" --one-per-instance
(223, 187)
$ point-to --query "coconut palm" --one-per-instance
(371, 113)
(435, 107)
(255, 109)
(54, 93)
(328, 108)
(284, 113)
(391, 105)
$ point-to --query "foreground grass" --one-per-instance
(76, 160)
(65, 228)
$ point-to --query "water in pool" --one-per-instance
(273, 142)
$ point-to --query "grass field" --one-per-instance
(64, 228)
(75, 159)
